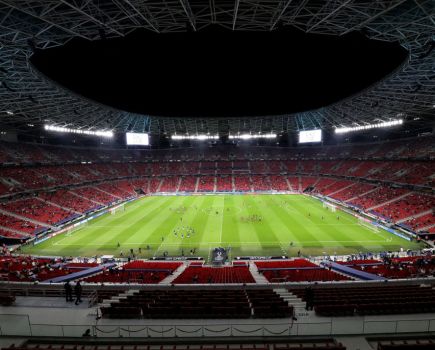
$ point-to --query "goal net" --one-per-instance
(117, 209)
(76, 227)
(329, 206)
(368, 225)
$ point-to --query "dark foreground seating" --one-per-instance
(199, 304)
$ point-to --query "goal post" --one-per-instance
(368, 225)
(329, 206)
(76, 227)
(116, 209)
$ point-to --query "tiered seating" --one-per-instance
(409, 206)
(242, 183)
(38, 210)
(169, 184)
(139, 271)
(56, 175)
(296, 271)
(274, 167)
(201, 274)
(84, 172)
(25, 178)
(208, 168)
(307, 181)
(354, 191)
(260, 183)
(267, 304)
(417, 224)
(24, 269)
(294, 183)
(278, 183)
(66, 199)
(381, 195)
(419, 174)
(206, 184)
(95, 195)
(20, 225)
(187, 184)
(12, 235)
(371, 300)
(115, 190)
(400, 267)
(224, 184)
(194, 303)
(363, 169)
(181, 304)
(154, 184)
(258, 167)
(336, 186)
(323, 184)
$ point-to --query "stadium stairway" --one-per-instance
(414, 216)
(258, 277)
(169, 279)
(388, 202)
(88, 199)
(293, 300)
(361, 195)
(110, 194)
(59, 206)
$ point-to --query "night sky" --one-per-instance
(217, 72)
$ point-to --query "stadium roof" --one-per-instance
(28, 97)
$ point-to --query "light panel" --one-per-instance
(369, 126)
(200, 137)
(78, 131)
(252, 136)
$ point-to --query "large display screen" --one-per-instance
(137, 139)
(310, 136)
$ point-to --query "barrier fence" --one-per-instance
(20, 325)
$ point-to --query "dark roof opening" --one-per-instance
(220, 73)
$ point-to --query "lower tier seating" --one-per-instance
(199, 274)
(297, 270)
(369, 300)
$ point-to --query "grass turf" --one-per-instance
(218, 221)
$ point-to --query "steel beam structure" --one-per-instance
(27, 97)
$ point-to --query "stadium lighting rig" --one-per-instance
(252, 136)
(200, 137)
(78, 131)
(369, 126)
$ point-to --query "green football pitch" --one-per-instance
(255, 225)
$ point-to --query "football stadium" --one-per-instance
(217, 175)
